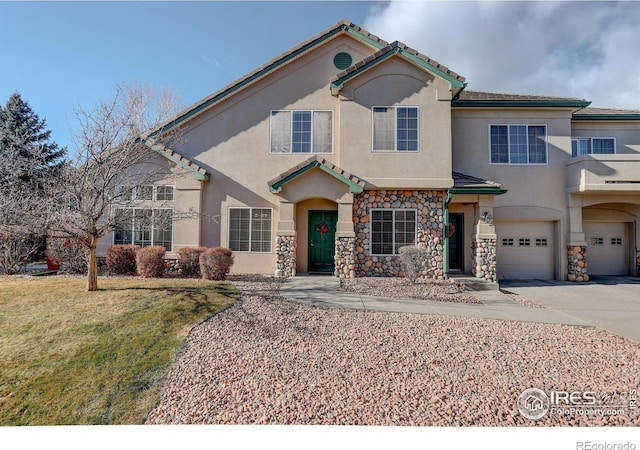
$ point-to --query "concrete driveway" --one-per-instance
(612, 303)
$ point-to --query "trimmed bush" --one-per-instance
(413, 260)
(189, 260)
(150, 261)
(215, 263)
(121, 259)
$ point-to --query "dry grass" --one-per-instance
(73, 357)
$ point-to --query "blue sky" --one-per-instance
(62, 54)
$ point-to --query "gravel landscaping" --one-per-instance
(396, 287)
(268, 360)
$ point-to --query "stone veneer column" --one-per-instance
(286, 256)
(345, 257)
(483, 257)
(429, 206)
(577, 263)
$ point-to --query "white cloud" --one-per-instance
(576, 49)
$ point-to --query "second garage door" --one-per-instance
(525, 250)
(607, 248)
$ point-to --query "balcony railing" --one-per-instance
(604, 173)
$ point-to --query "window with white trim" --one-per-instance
(301, 131)
(396, 128)
(250, 229)
(518, 144)
(593, 146)
(507, 242)
(144, 227)
(392, 229)
(146, 192)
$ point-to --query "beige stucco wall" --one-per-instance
(397, 83)
(186, 205)
(535, 192)
(232, 141)
(627, 134)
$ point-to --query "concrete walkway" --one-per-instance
(325, 291)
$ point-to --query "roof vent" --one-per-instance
(342, 60)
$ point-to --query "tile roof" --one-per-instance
(314, 161)
(606, 111)
(397, 45)
(469, 95)
(461, 180)
(178, 158)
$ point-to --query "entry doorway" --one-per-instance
(456, 242)
(322, 233)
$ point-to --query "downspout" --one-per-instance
(446, 235)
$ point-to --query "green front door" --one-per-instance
(322, 233)
(456, 241)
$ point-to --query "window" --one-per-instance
(507, 242)
(595, 146)
(164, 193)
(524, 242)
(146, 192)
(250, 229)
(301, 131)
(518, 144)
(392, 229)
(395, 129)
(597, 241)
(616, 241)
(144, 227)
(541, 242)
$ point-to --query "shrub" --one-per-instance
(150, 261)
(69, 252)
(413, 260)
(17, 249)
(121, 259)
(215, 263)
(189, 260)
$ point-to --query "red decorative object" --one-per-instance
(322, 229)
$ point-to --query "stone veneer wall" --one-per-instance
(577, 263)
(483, 257)
(345, 257)
(286, 256)
(429, 206)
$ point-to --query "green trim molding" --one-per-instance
(393, 50)
(276, 187)
(520, 104)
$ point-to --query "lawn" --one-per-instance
(73, 357)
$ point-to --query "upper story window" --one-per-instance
(301, 131)
(518, 144)
(595, 146)
(395, 128)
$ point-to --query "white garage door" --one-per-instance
(607, 248)
(525, 250)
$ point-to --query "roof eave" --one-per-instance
(520, 103)
(295, 52)
(606, 117)
(455, 85)
(478, 190)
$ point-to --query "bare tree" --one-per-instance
(113, 156)
(20, 237)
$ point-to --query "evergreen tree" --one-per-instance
(25, 141)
